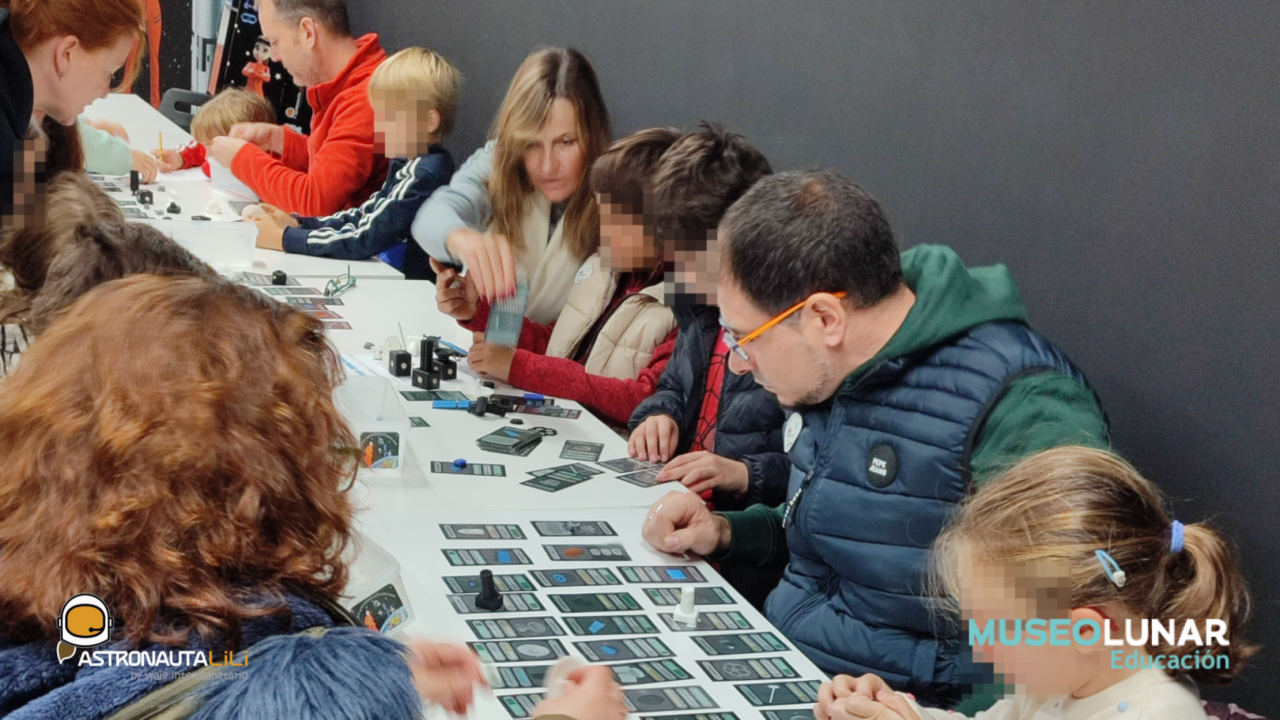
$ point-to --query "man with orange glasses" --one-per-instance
(906, 378)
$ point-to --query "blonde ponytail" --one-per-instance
(1058, 508)
(1201, 583)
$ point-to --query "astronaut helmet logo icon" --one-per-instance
(84, 623)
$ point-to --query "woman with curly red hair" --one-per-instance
(171, 446)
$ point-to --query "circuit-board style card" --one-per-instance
(774, 668)
(548, 411)
(704, 716)
(709, 620)
(666, 596)
(521, 677)
(804, 692)
(511, 602)
(741, 644)
(586, 577)
(556, 481)
(521, 651)
(521, 706)
(623, 649)
(461, 584)
(589, 553)
(800, 713)
(455, 531)
(628, 465)
(662, 574)
(661, 699)
(610, 625)
(647, 672)
(486, 556)
(482, 469)
(575, 468)
(595, 603)
(503, 629)
(573, 528)
(641, 478)
(579, 450)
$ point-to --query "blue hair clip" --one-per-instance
(1110, 567)
(1176, 540)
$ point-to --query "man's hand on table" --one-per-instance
(680, 522)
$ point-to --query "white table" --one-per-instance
(312, 266)
(403, 514)
(413, 534)
(373, 309)
(145, 124)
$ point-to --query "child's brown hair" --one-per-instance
(1060, 506)
(227, 108)
(623, 174)
(27, 252)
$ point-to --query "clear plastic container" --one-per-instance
(380, 424)
(226, 246)
(375, 593)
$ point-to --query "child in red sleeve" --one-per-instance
(614, 336)
(212, 120)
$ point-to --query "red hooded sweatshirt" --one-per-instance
(334, 167)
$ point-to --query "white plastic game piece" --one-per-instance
(558, 676)
(687, 613)
(213, 208)
(252, 211)
(391, 343)
(491, 675)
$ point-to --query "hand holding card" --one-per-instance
(445, 674)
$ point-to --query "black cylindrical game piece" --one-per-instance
(427, 353)
(134, 181)
(489, 598)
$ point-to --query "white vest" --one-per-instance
(547, 265)
(626, 341)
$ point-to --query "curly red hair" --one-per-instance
(172, 446)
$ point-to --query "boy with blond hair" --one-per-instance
(212, 120)
(414, 94)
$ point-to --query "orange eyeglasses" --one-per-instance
(736, 345)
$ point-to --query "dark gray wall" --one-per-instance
(1121, 158)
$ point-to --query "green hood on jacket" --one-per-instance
(950, 299)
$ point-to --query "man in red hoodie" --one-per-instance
(336, 166)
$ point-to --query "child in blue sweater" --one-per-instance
(414, 94)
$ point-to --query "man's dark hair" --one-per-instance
(332, 14)
(798, 233)
(699, 178)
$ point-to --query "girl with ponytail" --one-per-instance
(1074, 538)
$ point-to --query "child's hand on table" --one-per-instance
(490, 360)
(170, 160)
(270, 232)
(146, 166)
(282, 218)
(867, 697)
(702, 470)
(655, 439)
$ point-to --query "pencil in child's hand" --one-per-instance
(161, 134)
